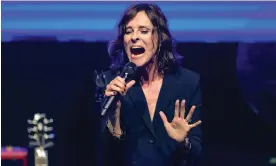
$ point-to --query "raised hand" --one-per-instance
(179, 127)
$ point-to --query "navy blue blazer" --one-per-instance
(146, 142)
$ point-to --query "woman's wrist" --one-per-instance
(114, 128)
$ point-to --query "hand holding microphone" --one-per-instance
(119, 86)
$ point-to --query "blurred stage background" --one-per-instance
(50, 51)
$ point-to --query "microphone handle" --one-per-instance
(106, 105)
(110, 99)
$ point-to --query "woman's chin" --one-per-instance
(138, 63)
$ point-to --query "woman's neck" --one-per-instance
(149, 74)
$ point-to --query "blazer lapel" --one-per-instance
(166, 96)
(169, 93)
(138, 99)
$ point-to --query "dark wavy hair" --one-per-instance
(166, 57)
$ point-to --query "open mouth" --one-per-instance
(137, 50)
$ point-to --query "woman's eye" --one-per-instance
(127, 32)
(144, 32)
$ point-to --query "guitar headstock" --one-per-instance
(40, 131)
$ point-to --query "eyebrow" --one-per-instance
(140, 27)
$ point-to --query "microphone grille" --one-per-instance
(130, 68)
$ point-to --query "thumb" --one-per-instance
(164, 118)
(130, 84)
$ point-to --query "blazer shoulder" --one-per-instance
(188, 75)
(103, 78)
(109, 75)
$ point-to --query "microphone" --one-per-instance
(127, 73)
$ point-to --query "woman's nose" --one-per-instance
(134, 37)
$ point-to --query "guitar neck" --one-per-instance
(41, 157)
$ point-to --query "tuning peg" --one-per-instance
(48, 136)
(33, 122)
(33, 129)
(48, 121)
(38, 116)
(32, 144)
(46, 129)
(48, 144)
(35, 136)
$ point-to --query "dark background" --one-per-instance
(58, 79)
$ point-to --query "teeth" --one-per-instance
(136, 47)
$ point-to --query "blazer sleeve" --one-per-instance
(195, 134)
(185, 156)
(110, 147)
